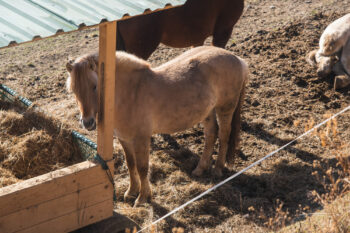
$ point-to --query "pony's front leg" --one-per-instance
(210, 135)
(141, 148)
(134, 185)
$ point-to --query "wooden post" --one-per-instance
(106, 89)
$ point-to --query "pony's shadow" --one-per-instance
(176, 150)
(176, 146)
(259, 132)
(171, 141)
(186, 160)
(170, 221)
(290, 183)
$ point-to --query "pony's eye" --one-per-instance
(95, 88)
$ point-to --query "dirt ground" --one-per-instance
(283, 96)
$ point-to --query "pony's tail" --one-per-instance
(233, 144)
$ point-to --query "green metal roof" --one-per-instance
(25, 20)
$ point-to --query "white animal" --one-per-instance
(325, 65)
(333, 54)
(345, 57)
(344, 80)
(335, 36)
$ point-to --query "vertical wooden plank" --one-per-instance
(106, 87)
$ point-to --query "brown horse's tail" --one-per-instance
(233, 145)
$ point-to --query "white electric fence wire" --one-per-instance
(243, 170)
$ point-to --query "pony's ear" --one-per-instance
(69, 64)
(69, 67)
(311, 58)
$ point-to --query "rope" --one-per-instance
(243, 170)
(98, 159)
(25, 101)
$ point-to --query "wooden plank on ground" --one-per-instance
(51, 186)
(106, 90)
(74, 220)
(51, 209)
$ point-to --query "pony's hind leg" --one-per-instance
(134, 185)
(141, 148)
(224, 121)
(210, 135)
(233, 144)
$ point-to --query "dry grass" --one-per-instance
(335, 179)
(329, 175)
(32, 144)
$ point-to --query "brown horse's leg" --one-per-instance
(224, 119)
(227, 19)
(134, 185)
(141, 146)
(210, 135)
(221, 36)
(145, 51)
(198, 44)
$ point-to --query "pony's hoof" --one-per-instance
(197, 172)
(217, 172)
(129, 197)
(142, 201)
(341, 82)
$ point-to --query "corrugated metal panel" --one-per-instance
(24, 20)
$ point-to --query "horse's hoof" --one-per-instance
(341, 82)
(197, 172)
(129, 197)
(217, 172)
(142, 201)
(230, 160)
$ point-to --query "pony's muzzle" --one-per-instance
(89, 124)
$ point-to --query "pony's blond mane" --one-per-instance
(81, 67)
(129, 62)
(80, 70)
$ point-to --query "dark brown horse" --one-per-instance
(183, 26)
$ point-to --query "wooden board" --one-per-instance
(50, 186)
(106, 88)
(70, 221)
(61, 206)
(55, 194)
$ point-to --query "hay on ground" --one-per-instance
(32, 144)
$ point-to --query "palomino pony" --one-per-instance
(205, 84)
(183, 26)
